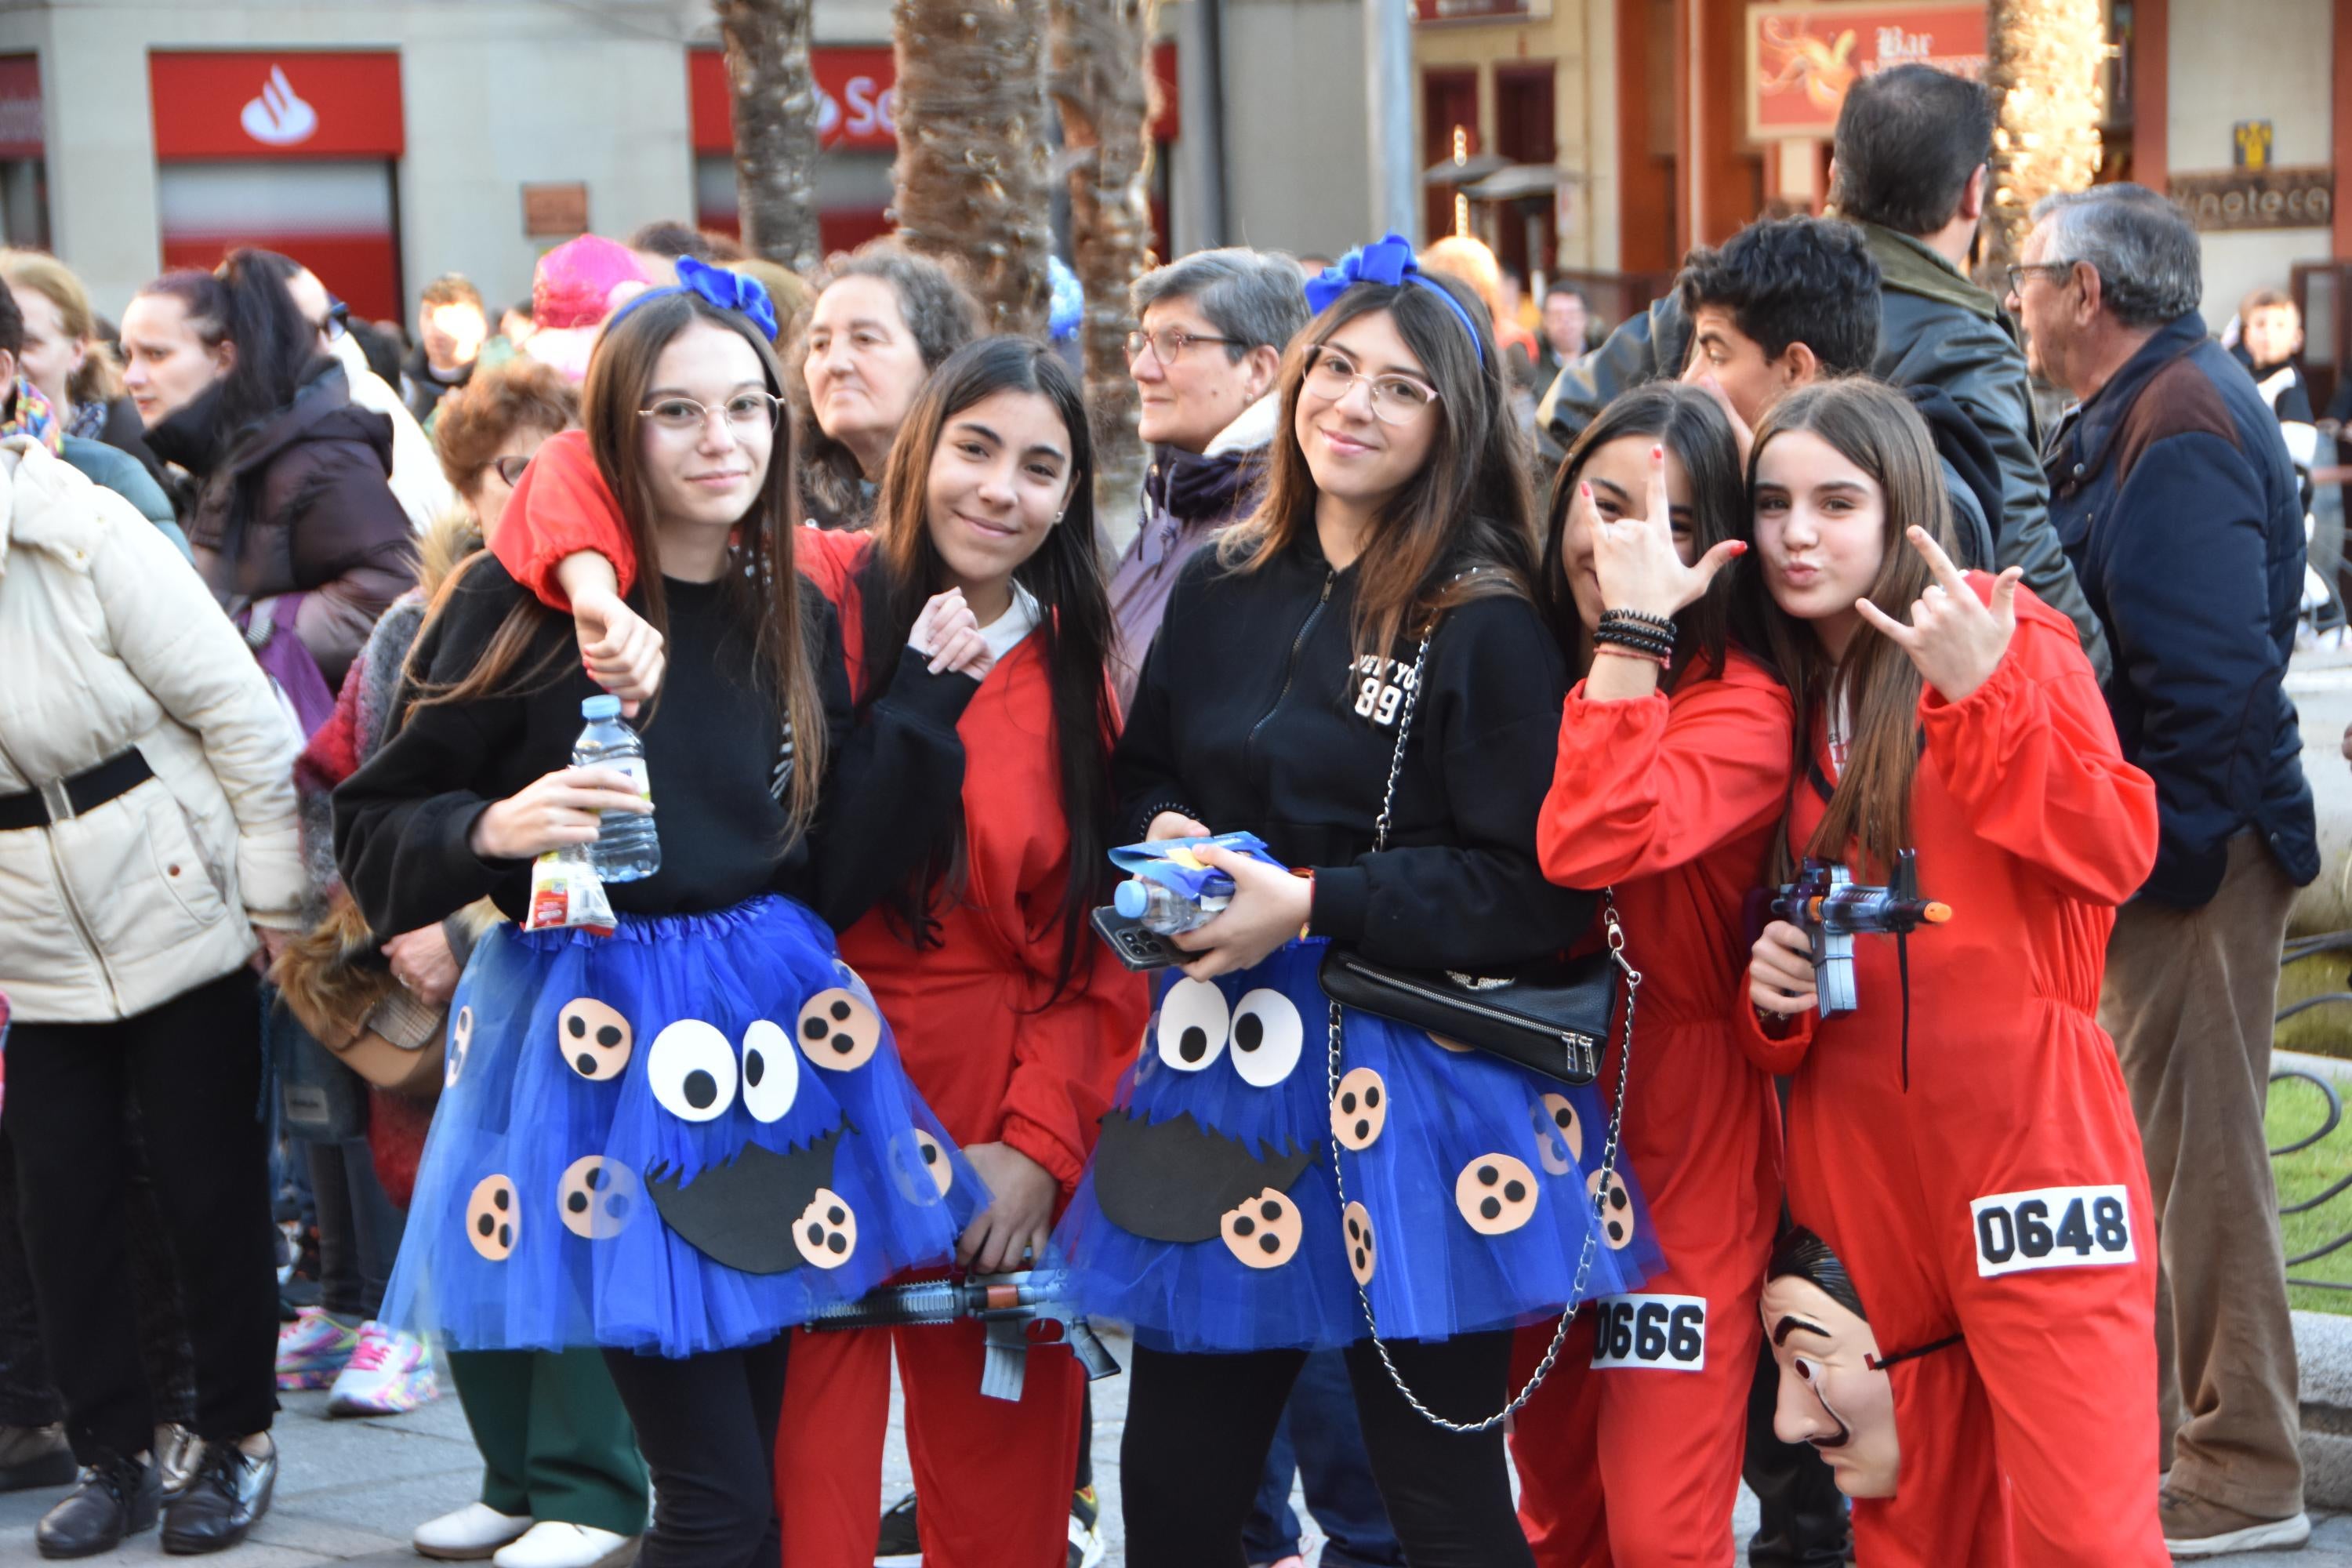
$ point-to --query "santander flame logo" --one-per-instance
(279, 118)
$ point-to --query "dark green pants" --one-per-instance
(555, 1442)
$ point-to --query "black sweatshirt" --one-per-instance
(1251, 715)
(712, 750)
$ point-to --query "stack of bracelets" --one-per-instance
(1637, 633)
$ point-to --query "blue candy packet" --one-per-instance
(1172, 863)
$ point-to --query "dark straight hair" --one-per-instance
(246, 303)
(1074, 628)
(1692, 427)
(761, 588)
(1468, 509)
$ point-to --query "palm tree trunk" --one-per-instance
(2045, 77)
(775, 126)
(1102, 82)
(973, 155)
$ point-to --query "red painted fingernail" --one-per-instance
(1657, 452)
(1739, 547)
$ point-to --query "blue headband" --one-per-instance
(1391, 262)
(736, 291)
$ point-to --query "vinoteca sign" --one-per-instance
(2231, 199)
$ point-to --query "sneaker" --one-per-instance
(898, 1546)
(551, 1544)
(468, 1535)
(1086, 1540)
(388, 1373)
(313, 1348)
(2194, 1528)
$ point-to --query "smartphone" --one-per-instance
(1141, 950)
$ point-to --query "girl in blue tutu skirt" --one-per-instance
(1471, 1196)
(674, 1140)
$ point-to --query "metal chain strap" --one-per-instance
(1616, 939)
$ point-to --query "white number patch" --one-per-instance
(1665, 1333)
(2052, 1228)
(1379, 697)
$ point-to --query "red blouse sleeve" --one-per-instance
(561, 507)
(1066, 1059)
(1779, 1056)
(1644, 786)
(2032, 757)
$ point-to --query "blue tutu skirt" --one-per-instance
(1209, 1218)
(685, 1136)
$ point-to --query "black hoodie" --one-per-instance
(1252, 714)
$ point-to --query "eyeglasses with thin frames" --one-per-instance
(2054, 270)
(1169, 343)
(509, 468)
(1396, 399)
(744, 412)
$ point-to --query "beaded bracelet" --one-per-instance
(1664, 624)
(1628, 636)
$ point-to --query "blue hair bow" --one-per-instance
(1390, 261)
(736, 291)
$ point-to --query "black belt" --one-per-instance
(85, 791)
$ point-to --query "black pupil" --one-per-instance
(931, 1154)
(755, 1067)
(1565, 1117)
(1192, 1044)
(1249, 1033)
(699, 1088)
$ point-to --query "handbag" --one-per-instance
(1550, 1019)
(1550, 1016)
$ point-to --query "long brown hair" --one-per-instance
(1461, 528)
(1875, 429)
(760, 589)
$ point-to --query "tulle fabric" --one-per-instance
(516, 1107)
(1432, 1274)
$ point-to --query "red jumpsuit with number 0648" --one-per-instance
(2001, 1196)
(1630, 1454)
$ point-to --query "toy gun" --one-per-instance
(1006, 1303)
(1826, 905)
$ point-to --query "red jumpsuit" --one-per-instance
(1673, 803)
(994, 1062)
(2002, 1196)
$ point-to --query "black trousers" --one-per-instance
(1198, 1428)
(706, 1427)
(192, 1065)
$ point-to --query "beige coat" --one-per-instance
(110, 640)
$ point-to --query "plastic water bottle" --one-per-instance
(1158, 908)
(627, 847)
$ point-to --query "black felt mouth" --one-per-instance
(1174, 1180)
(741, 1214)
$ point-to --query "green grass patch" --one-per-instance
(2296, 1110)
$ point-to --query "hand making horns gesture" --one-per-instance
(1956, 641)
(1635, 557)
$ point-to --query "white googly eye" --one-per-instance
(1192, 1025)
(692, 1070)
(772, 1071)
(1266, 1037)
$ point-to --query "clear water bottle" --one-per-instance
(627, 847)
(1157, 908)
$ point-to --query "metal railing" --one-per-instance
(2301, 948)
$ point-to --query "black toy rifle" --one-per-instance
(1828, 906)
(1006, 1303)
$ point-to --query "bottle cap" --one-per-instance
(1130, 899)
(605, 706)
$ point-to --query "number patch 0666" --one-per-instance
(1667, 1333)
(2052, 1228)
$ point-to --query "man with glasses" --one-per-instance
(1215, 325)
(2173, 492)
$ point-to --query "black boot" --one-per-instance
(224, 1499)
(117, 1496)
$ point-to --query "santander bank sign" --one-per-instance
(276, 103)
(278, 117)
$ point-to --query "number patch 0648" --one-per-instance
(2052, 1228)
(1667, 1333)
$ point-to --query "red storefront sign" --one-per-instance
(20, 106)
(857, 98)
(1801, 58)
(289, 103)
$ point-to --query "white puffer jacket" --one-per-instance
(110, 640)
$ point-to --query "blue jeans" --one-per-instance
(1320, 1440)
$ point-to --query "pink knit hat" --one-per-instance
(573, 284)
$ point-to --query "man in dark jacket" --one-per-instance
(1908, 169)
(2174, 496)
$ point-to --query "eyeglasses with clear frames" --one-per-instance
(744, 412)
(1396, 399)
(1169, 343)
(2054, 270)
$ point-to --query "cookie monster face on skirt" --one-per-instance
(1209, 1219)
(681, 1138)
